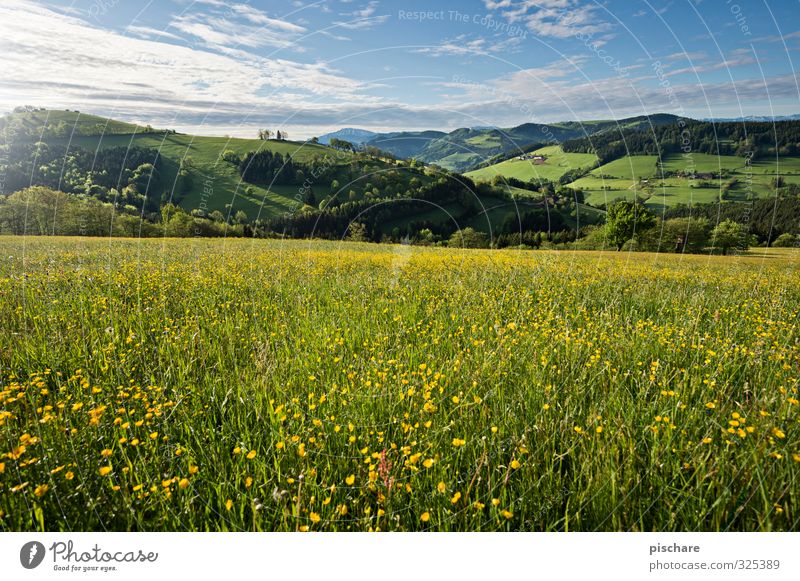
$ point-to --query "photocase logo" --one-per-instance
(31, 554)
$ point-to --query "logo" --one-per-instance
(31, 554)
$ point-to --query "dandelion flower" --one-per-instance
(425, 517)
(105, 470)
(515, 464)
(251, 454)
(350, 480)
(183, 483)
(441, 487)
(41, 490)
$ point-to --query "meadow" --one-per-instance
(624, 179)
(556, 164)
(318, 386)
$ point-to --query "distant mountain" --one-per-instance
(355, 136)
(469, 147)
(466, 148)
(755, 118)
(405, 144)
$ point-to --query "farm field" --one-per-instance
(557, 163)
(245, 385)
(624, 179)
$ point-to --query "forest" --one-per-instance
(757, 139)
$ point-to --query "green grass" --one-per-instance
(240, 385)
(81, 122)
(212, 174)
(625, 179)
(631, 167)
(556, 165)
(215, 183)
(785, 166)
(704, 163)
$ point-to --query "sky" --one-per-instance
(215, 67)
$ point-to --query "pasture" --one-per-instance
(289, 385)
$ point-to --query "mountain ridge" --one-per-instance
(466, 147)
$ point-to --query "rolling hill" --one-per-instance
(466, 148)
(331, 190)
(323, 191)
(545, 163)
(355, 136)
(213, 183)
(405, 144)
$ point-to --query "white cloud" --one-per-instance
(689, 56)
(225, 26)
(363, 18)
(157, 80)
(737, 58)
(461, 45)
(147, 32)
(100, 68)
(552, 18)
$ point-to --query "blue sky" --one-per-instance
(217, 67)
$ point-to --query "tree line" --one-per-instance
(756, 139)
(122, 175)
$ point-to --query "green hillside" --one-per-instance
(404, 144)
(77, 123)
(213, 182)
(697, 179)
(137, 171)
(468, 148)
(555, 164)
(272, 187)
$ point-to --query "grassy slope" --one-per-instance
(81, 121)
(217, 183)
(560, 361)
(213, 178)
(214, 181)
(556, 165)
(622, 178)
